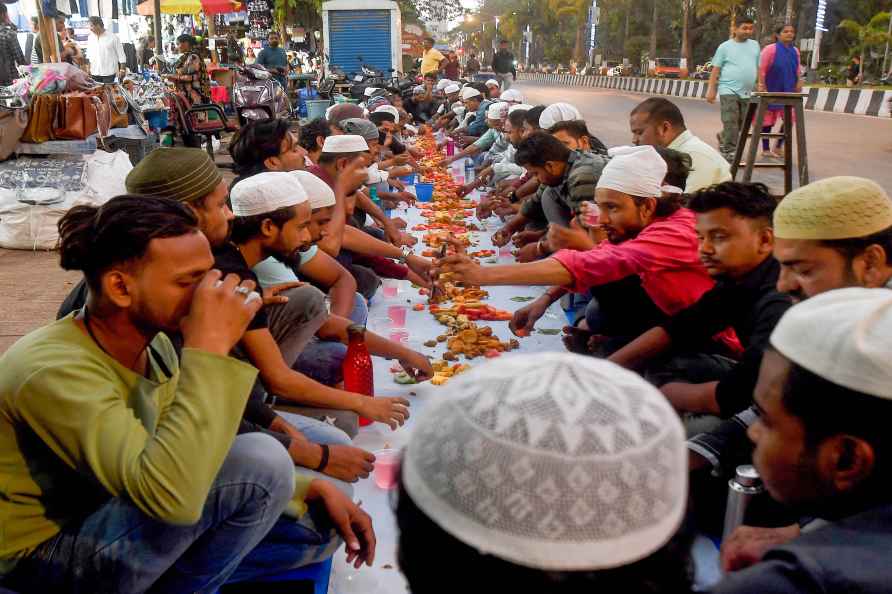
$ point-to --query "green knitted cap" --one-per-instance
(184, 174)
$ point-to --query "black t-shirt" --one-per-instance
(228, 260)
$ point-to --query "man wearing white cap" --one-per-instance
(445, 113)
(546, 473)
(823, 445)
(558, 112)
(649, 236)
(476, 104)
(512, 97)
(496, 115)
(493, 89)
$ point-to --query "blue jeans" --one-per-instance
(322, 360)
(118, 548)
(360, 313)
(322, 433)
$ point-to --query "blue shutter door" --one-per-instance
(363, 33)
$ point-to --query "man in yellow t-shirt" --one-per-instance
(432, 61)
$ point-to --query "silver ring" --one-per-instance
(242, 290)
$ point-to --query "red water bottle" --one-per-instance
(450, 147)
(357, 368)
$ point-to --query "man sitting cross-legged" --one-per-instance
(736, 240)
(120, 468)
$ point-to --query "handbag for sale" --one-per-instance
(75, 116)
(119, 108)
(41, 118)
(13, 121)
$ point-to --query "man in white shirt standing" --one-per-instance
(105, 53)
(658, 122)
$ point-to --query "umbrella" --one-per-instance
(209, 7)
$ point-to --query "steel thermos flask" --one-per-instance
(741, 490)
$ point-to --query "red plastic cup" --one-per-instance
(397, 315)
(387, 467)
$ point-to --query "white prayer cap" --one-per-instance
(558, 112)
(452, 88)
(493, 83)
(512, 95)
(636, 171)
(266, 192)
(389, 109)
(843, 337)
(522, 106)
(345, 143)
(443, 83)
(552, 461)
(497, 111)
(469, 93)
(369, 90)
(319, 193)
(419, 90)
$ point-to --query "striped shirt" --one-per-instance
(578, 185)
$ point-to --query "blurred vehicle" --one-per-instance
(668, 68)
(703, 71)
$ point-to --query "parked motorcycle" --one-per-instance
(369, 76)
(256, 95)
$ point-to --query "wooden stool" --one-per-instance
(755, 114)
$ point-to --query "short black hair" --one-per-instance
(94, 20)
(816, 402)
(781, 28)
(745, 20)
(379, 117)
(662, 110)
(257, 141)
(93, 239)
(747, 200)
(501, 41)
(851, 248)
(533, 116)
(678, 167)
(579, 129)
(429, 39)
(246, 228)
(313, 129)
(669, 569)
(185, 37)
(517, 117)
(539, 148)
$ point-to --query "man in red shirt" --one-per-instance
(650, 258)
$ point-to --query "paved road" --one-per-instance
(838, 144)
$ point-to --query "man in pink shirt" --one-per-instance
(651, 253)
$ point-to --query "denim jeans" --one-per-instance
(360, 313)
(118, 548)
(318, 431)
(322, 361)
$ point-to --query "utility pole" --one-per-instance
(886, 53)
(819, 33)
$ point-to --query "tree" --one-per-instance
(869, 36)
(653, 30)
(685, 30)
(721, 7)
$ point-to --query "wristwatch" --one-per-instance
(512, 197)
(406, 251)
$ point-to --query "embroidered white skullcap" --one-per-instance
(469, 93)
(345, 143)
(443, 83)
(266, 192)
(552, 461)
(418, 90)
(451, 88)
(493, 83)
(636, 171)
(369, 90)
(558, 112)
(497, 111)
(843, 337)
(319, 193)
(842, 207)
(389, 109)
(512, 95)
(522, 106)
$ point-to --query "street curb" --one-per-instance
(866, 102)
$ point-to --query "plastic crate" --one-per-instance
(136, 149)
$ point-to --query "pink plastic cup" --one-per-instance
(387, 465)
(397, 315)
(401, 336)
(391, 288)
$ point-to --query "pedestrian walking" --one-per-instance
(778, 73)
(503, 65)
(10, 51)
(104, 53)
(452, 68)
(734, 71)
(472, 67)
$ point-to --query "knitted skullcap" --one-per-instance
(513, 96)
(551, 461)
(318, 192)
(497, 111)
(841, 207)
(850, 346)
(469, 93)
(360, 127)
(184, 174)
(451, 89)
(266, 192)
(558, 112)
